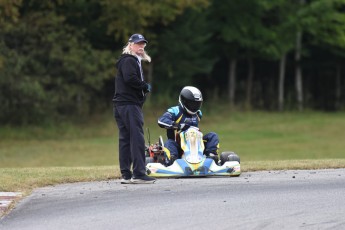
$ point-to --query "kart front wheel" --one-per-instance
(229, 156)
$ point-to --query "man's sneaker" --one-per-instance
(143, 180)
(126, 181)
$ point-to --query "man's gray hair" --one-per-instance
(127, 50)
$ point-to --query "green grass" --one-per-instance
(91, 144)
(25, 179)
(286, 136)
(37, 156)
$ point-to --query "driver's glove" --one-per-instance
(181, 126)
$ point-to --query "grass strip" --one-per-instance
(24, 180)
(305, 164)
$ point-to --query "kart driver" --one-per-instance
(179, 118)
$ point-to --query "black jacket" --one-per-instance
(129, 88)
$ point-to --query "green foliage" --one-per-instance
(126, 17)
(49, 70)
(186, 50)
(253, 28)
(9, 11)
(324, 19)
(57, 57)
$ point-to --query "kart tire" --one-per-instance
(149, 160)
(229, 156)
(161, 159)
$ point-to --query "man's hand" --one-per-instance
(148, 88)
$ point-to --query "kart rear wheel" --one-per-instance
(229, 156)
(149, 160)
(161, 159)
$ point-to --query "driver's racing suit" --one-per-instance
(176, 118)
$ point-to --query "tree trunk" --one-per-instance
(338, 87)
(298, 71)
(281, 82)
(249, 83)
(232, 81)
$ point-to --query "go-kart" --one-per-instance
(193, 162)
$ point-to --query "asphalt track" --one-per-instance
(297, 199)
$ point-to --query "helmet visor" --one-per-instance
(193, 106)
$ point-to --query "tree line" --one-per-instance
(57, 57)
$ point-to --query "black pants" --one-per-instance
(130, 121)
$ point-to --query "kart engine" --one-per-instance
(156, 153)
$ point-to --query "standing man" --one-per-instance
(130, 95)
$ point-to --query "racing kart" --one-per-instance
(193, 162)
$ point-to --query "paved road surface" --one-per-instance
(255, 200)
